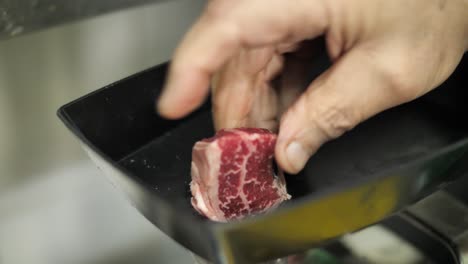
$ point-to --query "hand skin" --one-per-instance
(384, 53)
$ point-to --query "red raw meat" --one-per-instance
(233, 175)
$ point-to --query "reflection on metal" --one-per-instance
(21, 16)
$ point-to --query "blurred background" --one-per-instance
(55, 206)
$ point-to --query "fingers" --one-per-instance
(352, 90)
(242, 96)
(224, 28)
(202, 52)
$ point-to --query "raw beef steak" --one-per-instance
(233, 176)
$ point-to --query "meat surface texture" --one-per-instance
(233, 175)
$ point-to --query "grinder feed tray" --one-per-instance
(381, 166)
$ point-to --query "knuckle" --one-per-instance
(401, 81)
(333, 120)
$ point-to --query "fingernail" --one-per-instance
(296, 155)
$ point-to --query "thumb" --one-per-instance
(352, 90)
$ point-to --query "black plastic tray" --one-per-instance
(381, 166)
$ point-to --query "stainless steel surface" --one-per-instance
(23, 16)
(376, 244)
(448, 216)
(444, 213)
(55, 205)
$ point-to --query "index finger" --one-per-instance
(201, 53)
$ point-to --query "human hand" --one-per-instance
(385, 53)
